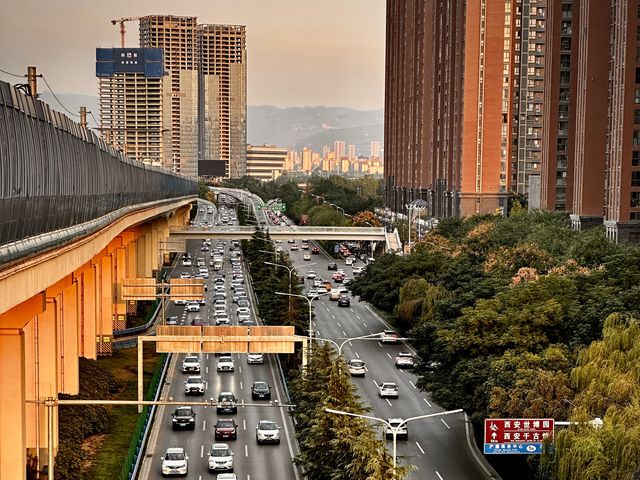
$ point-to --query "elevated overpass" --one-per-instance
(76, 217)
(281, 233)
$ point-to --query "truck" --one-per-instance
(335, 294)
(218, 263)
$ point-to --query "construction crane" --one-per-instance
(122, 30)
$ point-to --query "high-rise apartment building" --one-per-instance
(306, 159)
(339, 149)
(131, 100)
(375, 149)
(206, 103)
(351, 152)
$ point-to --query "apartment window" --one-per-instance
(636, 138)
(634, 216)
(635, 159)
(635, 179)
(565, 43)
(635, 199)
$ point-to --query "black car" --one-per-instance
(332, 266)
(172, 320)
(225, 428)
(344, 301)
(227, 403)
(183, 417)
(260, 391)
(198, 322)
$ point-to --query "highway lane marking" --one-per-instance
(244, 424)
(338, 323)
(207, 356)
(420, 448)
(350, 344)
(204, 425)
(351, 309)
(427, 402)
(334, 317)
(201, 451)
(376, 384)
(388, 402)
(358, 317)
(412, 384)
(439, 476)
(344, 333)
(445, 424)
(240, 368)
(246, 450)
(318, 332)
(240, 384)
(365, 325)
(356, 354)
(389, 355)
(207, 369)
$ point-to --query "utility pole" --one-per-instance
(33, 83)
(83, 117)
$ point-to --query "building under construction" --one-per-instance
(204, 100)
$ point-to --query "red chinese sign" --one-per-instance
(517, 430)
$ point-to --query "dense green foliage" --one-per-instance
(352, 195)
(501, 309)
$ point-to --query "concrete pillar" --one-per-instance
(68, 331)
(12, 405)
(104, 282)
(88, 312)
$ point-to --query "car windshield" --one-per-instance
(389, 385)
(225, 359)
(174, 456)
(357, 363)
(260, 386)
(194, 380)
(226, 398)
(183, 412)
(219, 452)
(191, 359)
(225, 424)
(268, 426)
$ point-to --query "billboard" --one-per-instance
(524, 436)
(212, 168)
(146, 61)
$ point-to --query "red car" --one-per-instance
(338, 277)
(315, 250)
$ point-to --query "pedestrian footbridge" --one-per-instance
(281, 233)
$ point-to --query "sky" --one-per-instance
(299, 52)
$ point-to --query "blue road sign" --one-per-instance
(513, 448)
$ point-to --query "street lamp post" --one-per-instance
(371, 336)
(394, 429)
(309, 300)
(291, 270)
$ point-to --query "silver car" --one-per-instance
(220, 458)
(267, 431)
(356, 367)
(388, 390)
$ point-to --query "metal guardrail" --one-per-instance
(140, 328)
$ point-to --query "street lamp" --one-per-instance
(309, 300)
(394, 429)
(291, 270)
(371, 336)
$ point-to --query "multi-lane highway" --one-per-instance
(251, 461)
(438, 447)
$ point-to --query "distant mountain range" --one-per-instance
(294, 127)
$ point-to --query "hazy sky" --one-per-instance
(300, 52)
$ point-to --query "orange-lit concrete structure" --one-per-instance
(62, 305)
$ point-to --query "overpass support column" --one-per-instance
(118, 256)
(87, 326)
(104, 282)
(12, 404)
(68, 341)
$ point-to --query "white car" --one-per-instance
(404, 360)
(241, 310)
(311, 274)
(306, 256)
(267, 431)
(388, 390)
(226, 476)
(186, 262)
(356, 367)
(400, 428)
(193, 307)
(185, 275)
(191, 363)
(174, 462)
(179, 301)
(222, 319)
(358, 270)
(225, 364)
(322, 290)
(349, 261)
(194, 385)
(255, 358)
(220, 458)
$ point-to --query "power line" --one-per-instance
(57, 100)
(94, 118)
(12, 74)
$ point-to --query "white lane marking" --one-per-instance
(201, 451)
(380, 345)
(207, 370)
(351, 309)
(207, 356)
(358, 317)
(338, 323)
(388, 402)
(244, 424)
(388, 355)
(439, 476)
(204, 425)
(445, 424)
(427, 402)
(246, 451)
(420, 448)
(412, 384)
(344, 334)
(240, 368)
(365, 325)
(356, 354)
(334, 317)
(318, 333)
(240, 384)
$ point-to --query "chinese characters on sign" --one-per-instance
(516, 435)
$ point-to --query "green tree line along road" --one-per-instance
(524, 317)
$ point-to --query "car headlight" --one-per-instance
(192, 420)
(174, 420)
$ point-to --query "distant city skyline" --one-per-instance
(300, 53)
